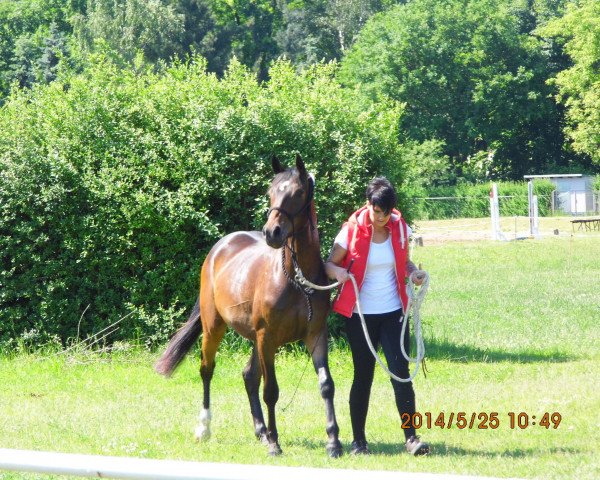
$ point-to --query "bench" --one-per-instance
(586, 224)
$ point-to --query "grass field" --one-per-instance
(509, 327)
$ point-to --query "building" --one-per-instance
(574, 193)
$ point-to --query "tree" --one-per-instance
(305, 37)
(202, 34)
(470, 74)
(251, 26)
(317, 30)
(347, 17)
(55, 48)
(578, 31)
(33, 36)
(131, 26)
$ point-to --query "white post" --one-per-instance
(533, 210)
(536, 217)
(495, 213)
(93, 466)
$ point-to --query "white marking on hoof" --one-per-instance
(202, 432)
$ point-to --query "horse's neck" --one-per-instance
(308, 251)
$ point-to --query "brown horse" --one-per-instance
(247, 283)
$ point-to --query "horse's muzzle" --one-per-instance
(274, 237)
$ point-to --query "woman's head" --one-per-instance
(382, 194)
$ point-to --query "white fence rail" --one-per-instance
(138, 468)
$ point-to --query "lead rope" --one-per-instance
(415, 300)
(306, 290)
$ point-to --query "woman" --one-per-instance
(373, 246)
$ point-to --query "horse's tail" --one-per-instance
(180, 344)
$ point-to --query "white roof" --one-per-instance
(558, 175)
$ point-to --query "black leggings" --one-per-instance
(384, 330)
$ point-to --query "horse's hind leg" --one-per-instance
(266, 356)
(317, 345)
(213, 334)
(252, 375)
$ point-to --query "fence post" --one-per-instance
(533, 210)
(536, 217)
(495, 213)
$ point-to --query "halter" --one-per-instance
(292, 216)
(306, 291)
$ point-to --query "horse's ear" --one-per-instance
(277, 168)
(300, 166)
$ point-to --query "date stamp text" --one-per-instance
(480, 421)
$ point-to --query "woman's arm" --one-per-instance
(332, 266)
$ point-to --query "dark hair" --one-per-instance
(381, 193)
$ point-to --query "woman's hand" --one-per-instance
(341, 274)
(418, 277)
(332, 266)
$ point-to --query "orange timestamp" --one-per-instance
(480, 421)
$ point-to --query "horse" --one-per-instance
(247, 283)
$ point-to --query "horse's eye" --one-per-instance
(299, 193)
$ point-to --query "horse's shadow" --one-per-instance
(445, 350)
(439, 449)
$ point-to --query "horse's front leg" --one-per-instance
(317, 345)
(266, 355)
(252, 374)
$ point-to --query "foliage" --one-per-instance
(114, 183)
(472, 75)
(579, 86)
(473, 200)
(251, 26)
(202, 34)
(33, 36)
(256, 32)
(129, 26)
(314, 30)
(427, 166)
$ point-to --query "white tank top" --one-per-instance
(378, 293)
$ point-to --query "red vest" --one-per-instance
(359, 244)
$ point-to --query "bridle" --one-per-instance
(306, 291)
(292, 216)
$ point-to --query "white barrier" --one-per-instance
(534, 221)
(495, 214)
(139, 468)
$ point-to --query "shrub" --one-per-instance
(114, 184)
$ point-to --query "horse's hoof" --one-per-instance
(335, 450)
(262, 438)
(202, 434)
(275, 450)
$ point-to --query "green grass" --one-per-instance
(510, 327)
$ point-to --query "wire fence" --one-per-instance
(429, 232)
(438, 208)
(557, 203)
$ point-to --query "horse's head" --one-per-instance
(291, 194)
